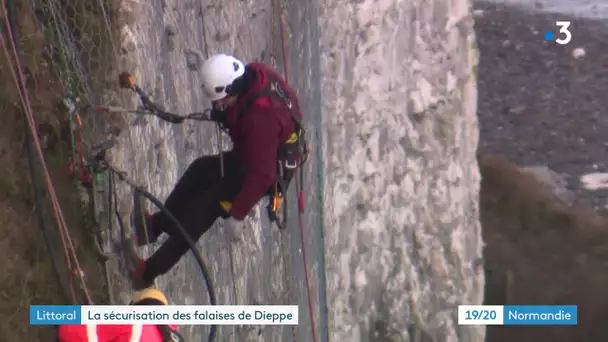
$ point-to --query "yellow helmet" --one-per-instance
(153, 294)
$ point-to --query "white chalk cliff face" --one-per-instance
(399, 135)
(159, 41)
(403, 239)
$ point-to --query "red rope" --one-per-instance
(300, 195)
(65, 238)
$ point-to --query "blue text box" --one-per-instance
(55, 314)
(540, 315)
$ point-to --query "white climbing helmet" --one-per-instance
(218, 72)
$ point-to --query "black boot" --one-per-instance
(136, 266)
(141, 222)
(138, 282)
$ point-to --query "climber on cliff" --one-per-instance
(261, 114)
(125, 332)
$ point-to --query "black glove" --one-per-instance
(217, 116)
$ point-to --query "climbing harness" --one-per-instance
(291, 156)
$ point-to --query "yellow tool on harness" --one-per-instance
(277, 199)
(227, 206)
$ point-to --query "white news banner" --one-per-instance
(170, 314)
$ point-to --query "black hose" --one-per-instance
(207, 115)
(46, 235)
(186, 237)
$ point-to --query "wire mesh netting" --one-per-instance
(81, 43)
(81, 51)
(70, 46)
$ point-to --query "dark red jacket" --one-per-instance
(257, 135)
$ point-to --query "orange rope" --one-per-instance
(298, 188)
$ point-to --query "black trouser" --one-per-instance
(195, 203)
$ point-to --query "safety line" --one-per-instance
(220, 137)
(284, 251)
(298, 189)
(220, 140)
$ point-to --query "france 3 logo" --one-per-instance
(564, 36)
